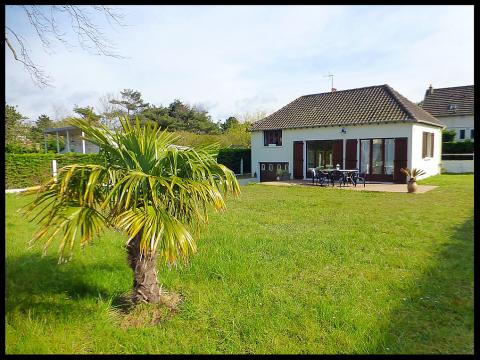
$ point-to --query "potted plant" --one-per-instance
(412, 174)
(282, 174)
(279, 174)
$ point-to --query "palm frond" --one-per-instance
(147, 186)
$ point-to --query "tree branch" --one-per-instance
(89, 35)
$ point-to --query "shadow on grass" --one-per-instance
(437, 315)
(39, 284)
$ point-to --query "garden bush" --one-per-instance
(458, 147)
(25, 170)
(230, 157)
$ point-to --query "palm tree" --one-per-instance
(148, 188)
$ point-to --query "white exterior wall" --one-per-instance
(412, 132)
(284, 153)
(76, 145)
(458, 123)
(430, 165)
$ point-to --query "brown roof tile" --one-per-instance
(368, 105)
(437, 102)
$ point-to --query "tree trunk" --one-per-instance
(145, 282)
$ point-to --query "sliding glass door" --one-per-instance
(376, 158)
(389, 156)
(365, 156)
(319, 154)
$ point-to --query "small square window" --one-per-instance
(462, 134)
(452, 107)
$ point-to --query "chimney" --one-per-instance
(429, 90)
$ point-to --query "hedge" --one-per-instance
(458, 147)
(231, 158)
(25, 170)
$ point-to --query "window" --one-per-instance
(319, 153)
(272, 137)
(452, 107)
(377, 160)
(263, 166)
(461, 135)
(389, 155)
(279, 166)
(365, 156)
(427, 145)
(270, 167)
(471, 133)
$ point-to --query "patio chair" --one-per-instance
(323, 177)
(312, 171)
(337, 176)
(358, 177)
(348, 177)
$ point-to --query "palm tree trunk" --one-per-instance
(145, 282)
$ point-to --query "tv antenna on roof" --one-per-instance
(331, 77)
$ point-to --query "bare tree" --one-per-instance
(44, 20)
(251, 117)
(109, 111)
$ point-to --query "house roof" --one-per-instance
(437, 101)
(60, 129)
(360, 106)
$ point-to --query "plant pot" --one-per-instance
(412, 186)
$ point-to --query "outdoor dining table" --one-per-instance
(329, 171)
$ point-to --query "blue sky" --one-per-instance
(239, 59)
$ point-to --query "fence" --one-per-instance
(457, 163)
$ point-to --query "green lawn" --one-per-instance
(284, 270)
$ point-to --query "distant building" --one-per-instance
(74, 141)
(453, 106)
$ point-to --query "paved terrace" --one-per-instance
(386, 187)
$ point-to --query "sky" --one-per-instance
(234, 60)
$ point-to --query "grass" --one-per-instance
(284, 270)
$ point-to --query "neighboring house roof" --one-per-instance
(367, 105)
(60, 129)
(438, 101)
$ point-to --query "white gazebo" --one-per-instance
(74, 140)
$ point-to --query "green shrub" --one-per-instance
(448, 135)
(25, 170)
(230, 157)
(19, 148)
(458, 147)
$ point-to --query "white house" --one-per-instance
(453, 106)
(74, 141)
(373, 129)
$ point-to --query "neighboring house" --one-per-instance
(73, 140)
(374, 129)
(453, 106)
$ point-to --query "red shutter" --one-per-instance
(400, 160)
(337, 153)
(351, 154)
